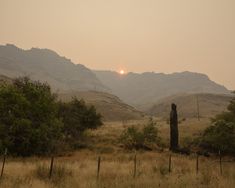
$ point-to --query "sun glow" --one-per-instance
(121, 72)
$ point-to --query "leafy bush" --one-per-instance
(33, 122)
(150, 133)
(221, 134)
(146, 138)
(28, 118)
(132, 138)
(77, 117)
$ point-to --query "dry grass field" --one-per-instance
(79, 169)
(107, 136)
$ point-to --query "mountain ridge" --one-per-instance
(139, 89)
(109, 106)
(46, 65)
(135, 89)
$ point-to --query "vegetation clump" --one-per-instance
(220, 136)
(33, 122)
(147, 138)
(77, 118)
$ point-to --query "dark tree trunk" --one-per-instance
(174, 134)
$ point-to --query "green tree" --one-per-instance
(28, 118)
(221, 134)
(78, 117)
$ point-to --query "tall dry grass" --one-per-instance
(116, 171)
(79, 170)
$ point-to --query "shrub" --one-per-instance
(33, 122)
(221, 134)
(146, 138)
(28, 118)
(132, 138)
(78, 117)
(150, 133)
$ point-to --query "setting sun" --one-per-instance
(121, 72)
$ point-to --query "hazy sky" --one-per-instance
(134, 35)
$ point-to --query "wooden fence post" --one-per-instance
(135, 165)
(98, 168)
(197, 164)
(170, 163)
(3, 162)
(220, 162)
(51, 167)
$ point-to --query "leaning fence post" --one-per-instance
(51, 167)
(3, 162)
(220, 162)
(135, 161)
(98, 168)
(197, 164)
(170, 163)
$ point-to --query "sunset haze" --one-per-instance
(133, 35)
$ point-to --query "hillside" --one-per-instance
(47, 65)
(110, 106)
(5, 79)
(209, 105)
(138, 89)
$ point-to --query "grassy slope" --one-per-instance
(209, 105)
(110, 106)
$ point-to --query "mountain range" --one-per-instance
(146, 88)
(107, 90)
(47, 66)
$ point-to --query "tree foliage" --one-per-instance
(32, 122)
(28, 120)
(77, 117)
(221, 134)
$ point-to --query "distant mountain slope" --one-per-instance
(5, 79)
(47, 65)
(209, 105)
(138, 89)
(110, 106)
